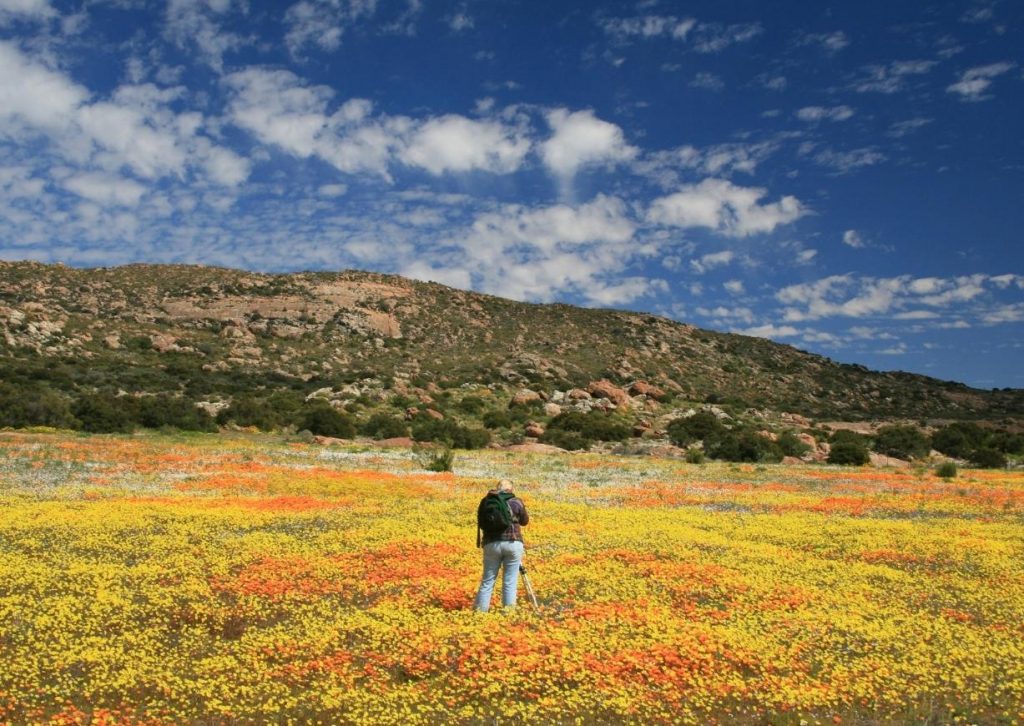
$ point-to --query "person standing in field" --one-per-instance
(500, 519)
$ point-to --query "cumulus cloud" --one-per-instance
(648, 26)
(829, 42)
(904, 128)
(26, 10)
(714, 37)
(724, 207)
(458, 144)
(974, 82)
(712, 260)
(820, 113)
(580, 139)
(282, 110)
(198, 24)
(891, 78)
(770, 330)
(734, 287)
(537, 253)
(857, 297)
(135, 128)
(852, 238)
(707, 81)
(844, 162)
(105, 189)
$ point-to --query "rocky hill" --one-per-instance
(213, 332)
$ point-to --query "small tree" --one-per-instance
(698, 427)
(901, 442)
(946, 470)
(848, 453)
(988, 458)
(325, 420)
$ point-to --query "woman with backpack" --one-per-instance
(500, 518)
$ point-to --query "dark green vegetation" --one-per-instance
(350, 353)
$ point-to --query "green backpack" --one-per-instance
(494, 515)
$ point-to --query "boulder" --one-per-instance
(112, 341)
(436, 415)
(642, 388)
(552, 409)
(410, 413)
(607, 390)
(163, 343)
(578, 394)
(523, 397)
(534, 430)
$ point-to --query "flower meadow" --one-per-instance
(237, 579)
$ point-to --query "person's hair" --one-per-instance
(505, 485)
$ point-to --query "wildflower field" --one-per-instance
(165, 579)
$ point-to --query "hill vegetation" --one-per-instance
(335, 353)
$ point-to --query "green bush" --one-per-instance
(698, 427)
(443, 460)
(22, 406)
(471, 405)
(742, 445)
(791, 445)
(325, 420)
(902, 442)
(250, 411)
(384, 426)
(848, 453)
(568, 440)
(154, 412)
(593, 426)
(104, 413)
(947, 470)
(448, 432)
(988, 458)
(958, 439)
(694, 456)
(496, 419)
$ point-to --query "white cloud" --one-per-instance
(829, 42)
(198, 23)
(714, 37)
(135, 128)
(105, 189)
(581, 139)
(539, 253)
(458, 144)
(664, 167)
(708, 81)
(1004, 314)
(820, 113)
(903, 297)
(770, 331)
(843, 162)
(332, 190)
(891, 78)
(648, 26)
(805, 257)
(734, 287)
(723, 207)
(711, 261)
(460, 21)
(975, 81)
(898, 349)
(903, 128)
(26, 9)
(728, 315)
(852, 238)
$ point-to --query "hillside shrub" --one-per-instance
(902, 442)
(103, 413)
(694, 456)
(448, 432)
(443, 460)
(593, 426)
(250, 411)
(384, 426)
(698, 427)
(958, 439)
(946, 470)
(568, 440)
(154, 412)
(497, 419)
(324, 420)
(848, 452)
(987, 458)
(34, 406)
(791, 445)
(742, 446)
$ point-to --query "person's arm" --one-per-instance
(522, 516)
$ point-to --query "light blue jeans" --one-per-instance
(497, 554)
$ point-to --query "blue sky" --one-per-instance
(846, 177)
